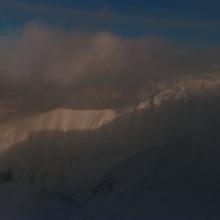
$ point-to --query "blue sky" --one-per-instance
(183, 21)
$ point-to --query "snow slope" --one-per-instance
(68, 119)
(182, 88)
(55, 120)
(97, 171)
(19, 202)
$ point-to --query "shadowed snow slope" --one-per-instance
(58, 119)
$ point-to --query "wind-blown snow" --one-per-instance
(68, 119)
(183, 88)
(102, 179)
(57, 120)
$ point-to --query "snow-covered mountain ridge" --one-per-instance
(69, 119)
(182, 88)
(55, 120)
(98, 160)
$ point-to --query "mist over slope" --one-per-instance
(167, 147)
(58, 119)
(94, 124)
(91, 159)
(19, 129)
(173, 117)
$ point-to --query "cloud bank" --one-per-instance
(37, 55)
(43, 68)
(69, 57)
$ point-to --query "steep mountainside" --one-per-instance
(55, 120)
(92, 158)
